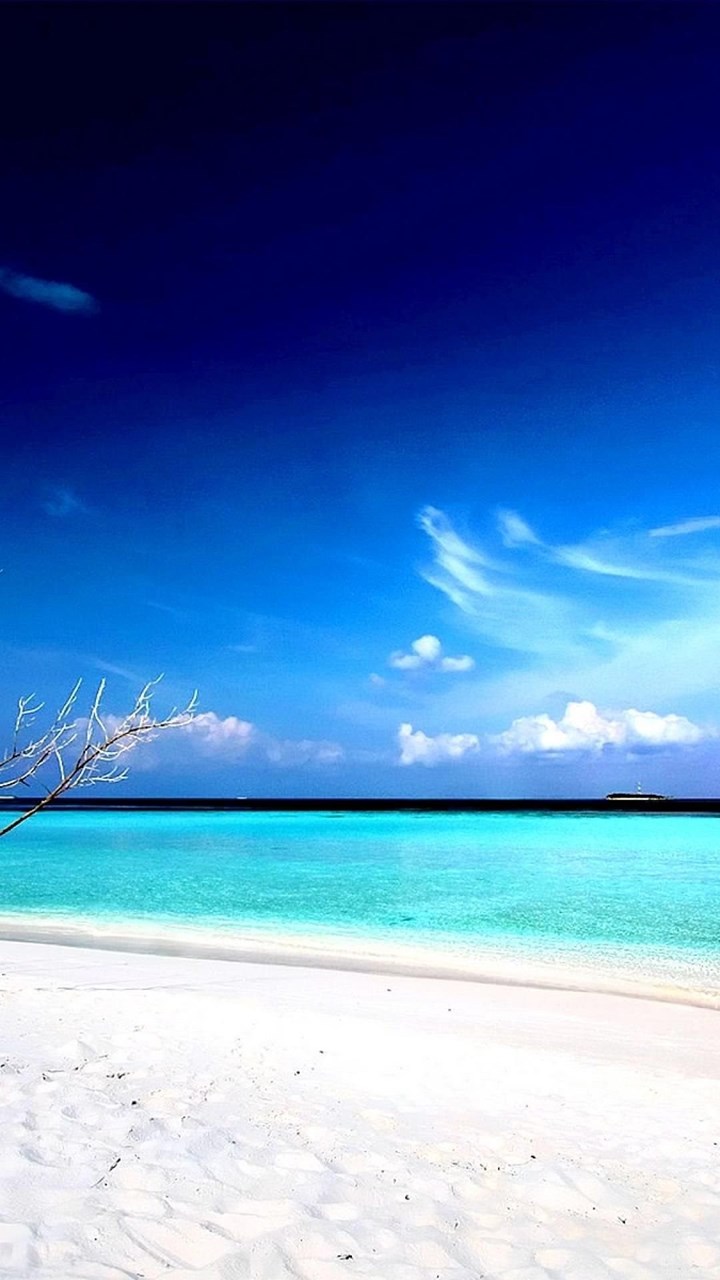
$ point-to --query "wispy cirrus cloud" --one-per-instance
(614, 617)
(458, 564)
(62, 502)
(696, 524)
(48, 293)
(514, 531)
(552, 607)
(505, 612)
(591, 557)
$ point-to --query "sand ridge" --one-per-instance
(182, 1118)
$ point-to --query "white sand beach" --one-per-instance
(181, 1117)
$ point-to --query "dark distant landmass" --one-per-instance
(287, 804)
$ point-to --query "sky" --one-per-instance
(360, 368)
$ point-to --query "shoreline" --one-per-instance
(569, 969)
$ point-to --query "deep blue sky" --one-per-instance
(328, 328)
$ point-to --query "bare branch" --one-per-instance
(104, 742)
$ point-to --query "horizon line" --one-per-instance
(249, 804)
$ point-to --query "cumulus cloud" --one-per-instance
(426, 652)
(417, 747)
(405, 661)
(427, 647)
(231, 738)
(48, 293)
(462, 663)
(583, 728)
(226, 737)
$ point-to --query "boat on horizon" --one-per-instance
(636, 796)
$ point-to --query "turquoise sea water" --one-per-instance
(541, 881)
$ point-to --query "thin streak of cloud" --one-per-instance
(697, 524)
(169, 609)
(48, 293)
(460, 598)
(113, 669)
(509, 616)
(440, 530)
(63, 502)
(583, 558)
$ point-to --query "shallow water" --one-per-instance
(545, 881)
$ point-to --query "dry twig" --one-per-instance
(97, 759)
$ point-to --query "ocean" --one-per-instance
(638, 891)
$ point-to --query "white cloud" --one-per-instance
(226, 737)
(230, 738)
(697, 524)
(427, 653)
(515, 531)
(462, 599)
(590, 559)
(49, 293)
(305, 751)
(551, 633)
(583, 728)
(455, 558)
(507, 614)
(440, 530)
(463, 663)
(540, 600)
(427, 647)
(417, 747)
(405, 661)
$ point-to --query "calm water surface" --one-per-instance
(544, 880)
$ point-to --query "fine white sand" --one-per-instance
(173, 1117)
(658, 975)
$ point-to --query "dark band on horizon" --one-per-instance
(290, 804)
